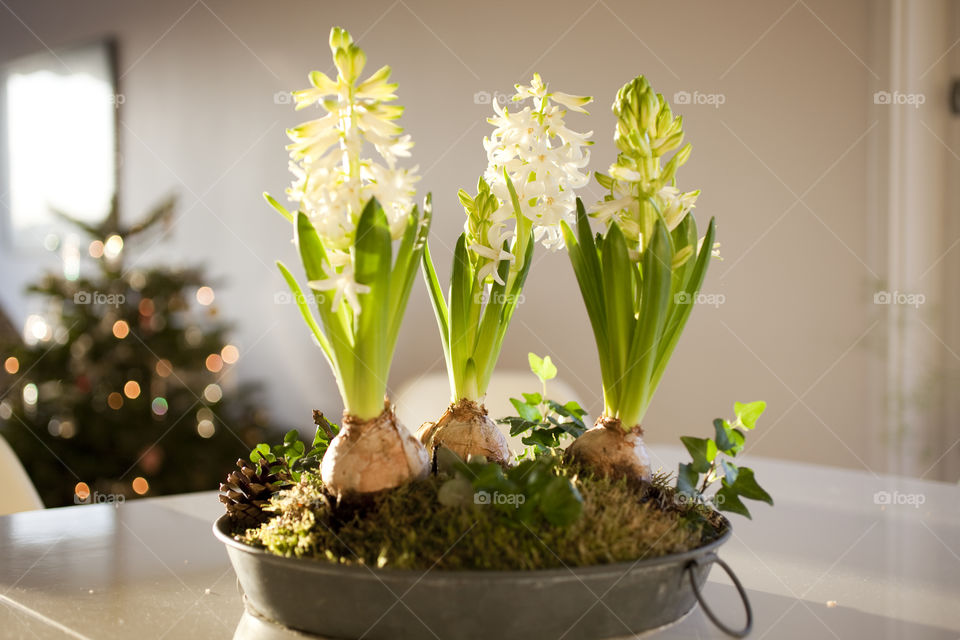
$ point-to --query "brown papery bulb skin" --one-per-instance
(466, 429)
(609, 450)
(372, 455)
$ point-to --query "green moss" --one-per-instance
(408, 528)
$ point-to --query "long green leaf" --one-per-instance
(684, 306)
(496, 298)
(685, 235)
(590, 253)
(279, 207)
(506, 315)
(460, 291)
(618, 292)
(337, 324)
(439, 304)
(405, 267)
(373, 260)
(300, 299)
(524, 226)
(585, 259)
(655, 295)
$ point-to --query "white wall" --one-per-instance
(783, 164)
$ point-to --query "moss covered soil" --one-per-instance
(409, 528)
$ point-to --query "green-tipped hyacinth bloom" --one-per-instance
(641, 189)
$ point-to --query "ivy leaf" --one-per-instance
(291, 437)
(546, 438)
(560, 502)
(748, 413)
(456, 492)
(532, 398)
(575, 409)
(543, 368)
(726, 500)
(262, 452)
(526, 411)
(729, 440)
(518, 425)
(575, 429)
(687, 480)
(730, 471)
(575, 413)
(703, 451)
(746, 486)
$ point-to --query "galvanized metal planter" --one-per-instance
(349, 602)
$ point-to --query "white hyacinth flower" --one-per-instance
(340, 280)
(640, 188)
(544, 159)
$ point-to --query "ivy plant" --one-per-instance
(290, 458)
(712, 463)
(523, 493)
(541, 421)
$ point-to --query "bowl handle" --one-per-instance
(711, 558)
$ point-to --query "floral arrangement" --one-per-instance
(361, 237)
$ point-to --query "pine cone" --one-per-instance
(247, 491)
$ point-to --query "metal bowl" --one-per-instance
(575, 603)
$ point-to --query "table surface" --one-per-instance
(844, 554)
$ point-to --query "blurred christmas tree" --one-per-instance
(116, 389)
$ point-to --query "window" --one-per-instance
(59, 133)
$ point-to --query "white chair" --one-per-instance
(18, 492)
(425, 398)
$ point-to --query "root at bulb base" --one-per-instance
(608, 450)
(466, 429)
(372, 455)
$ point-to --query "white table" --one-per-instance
(827, 561)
